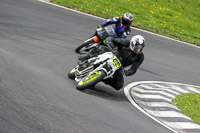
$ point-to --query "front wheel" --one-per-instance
(83, 47)
(71, 74)
(90, 80)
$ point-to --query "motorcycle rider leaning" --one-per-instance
(122, 24)
(130, 53)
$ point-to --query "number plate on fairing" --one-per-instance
(116, 62)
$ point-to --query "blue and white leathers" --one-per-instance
(121, 31)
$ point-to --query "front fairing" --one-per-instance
(104, 32)
(102, 62)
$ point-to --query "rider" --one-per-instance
(122, 24)
(130, 52)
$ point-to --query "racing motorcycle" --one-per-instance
(100, 35)
(95, 69)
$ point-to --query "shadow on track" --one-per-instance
(107, 92)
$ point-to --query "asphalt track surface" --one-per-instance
(37, 43)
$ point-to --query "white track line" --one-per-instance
(158, 89)
(157, 92)
(149, 87)
(174, 92)
(167, 114)
(159, 104)
(104, 19)
(150, 96)
(184, 125)
(174, 87)
(159, 82)
(193, 89)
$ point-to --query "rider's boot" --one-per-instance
(83, 61)
(83, 57)
(83, 65)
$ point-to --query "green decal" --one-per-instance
(116, 62)
(89, 78)
(104, 41)
(74, 70)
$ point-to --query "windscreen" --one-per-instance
(110, 31)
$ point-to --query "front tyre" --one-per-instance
(82, 47)
(71, 74)
(90, 80)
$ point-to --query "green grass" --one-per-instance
(179, 19)
(189, 103)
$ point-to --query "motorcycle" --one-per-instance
(100, 35)
(95, 69)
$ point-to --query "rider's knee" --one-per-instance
(118, 86)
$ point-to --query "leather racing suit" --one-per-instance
(121, 31)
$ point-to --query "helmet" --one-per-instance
(137, 44)
(127, 19)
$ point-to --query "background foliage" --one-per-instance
(179, 19)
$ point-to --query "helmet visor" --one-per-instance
(126, 22)
(138, 49)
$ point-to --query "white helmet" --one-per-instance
(137, 44)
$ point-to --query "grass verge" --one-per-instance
(189, 103)
(179, 19)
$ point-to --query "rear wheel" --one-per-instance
(83, 47)
(90, 80)
(71, 74)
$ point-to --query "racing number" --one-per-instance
(117, 63)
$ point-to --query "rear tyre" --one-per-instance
(82, 46)
(91, 80)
